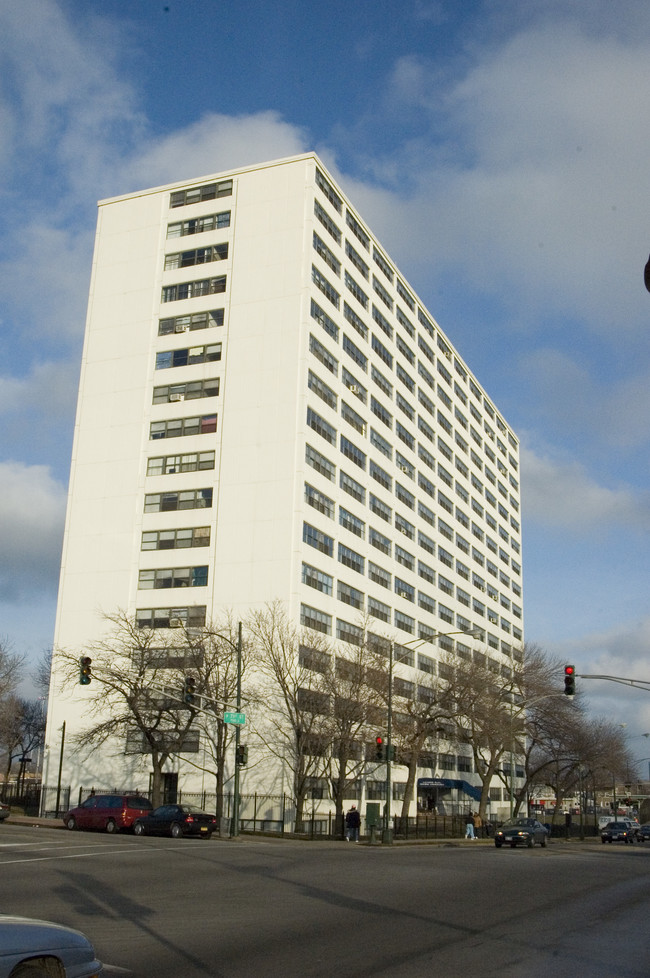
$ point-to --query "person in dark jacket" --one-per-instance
(352, 825)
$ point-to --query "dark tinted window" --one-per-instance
(137, 802)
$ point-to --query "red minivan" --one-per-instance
(108, 813)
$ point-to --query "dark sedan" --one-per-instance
(520, 832)
(618, 832)
(644, 833)
(177, 821)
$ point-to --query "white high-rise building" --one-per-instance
(267, 411)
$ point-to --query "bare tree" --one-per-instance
(129, 667)
(292, 662)
(11, 668)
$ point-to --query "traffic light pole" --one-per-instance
(387, 835)
(234, 829)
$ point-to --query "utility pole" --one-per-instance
(234, 829)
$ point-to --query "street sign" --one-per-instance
(239, 719)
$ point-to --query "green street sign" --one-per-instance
(239, 719)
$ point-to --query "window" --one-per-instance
(323, 354)
(328, 190)
(351, 559)
(356, 259)
(189, 290)
(188, 355)
(404, 557)
(180, 427)
(381, 321)
(379, 575)
(353, 418)
(353, 385)
(320, 463)
(379, 508)
(352, 523)
(403, 292)
(319, 501)
(353, 351)
(326, 254)
(209, 222)
(381, 412)
(346, 632)
(381, 351)
(196, 256)
(404, 527)
(173, 577)
(320, 581)
(183, 324)
(351, 486)
(197, 536)
(317, 539)
(321, 317)
(192, 390)
(356, 290)
(193, 617)
(405, 496)
(167, 502)
(357, 230)
(353, 453)
(327, 222)
(382, 383)
(325, 393)
(381, 476)
(379, 541)
(405, 436)
(326, 287)
(350, 595)
(426, 602)
(318, 620)
(378, 609)
(171, 464)
(321, 426)
(193, 195)
(405, 622)
(355, 321)
(401, 402)
(382, 293)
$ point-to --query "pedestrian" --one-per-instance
(352, 825)
(469, 826)
(478, 825)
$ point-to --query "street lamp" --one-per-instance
(387, 835)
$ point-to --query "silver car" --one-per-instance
(39, 949)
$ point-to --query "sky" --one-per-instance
(500, 152)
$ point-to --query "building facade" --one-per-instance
(267, 411)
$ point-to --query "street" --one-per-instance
(259, 908)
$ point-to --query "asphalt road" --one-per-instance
(286, 909)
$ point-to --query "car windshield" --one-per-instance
(519, 823)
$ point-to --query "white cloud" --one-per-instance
(562, 494)
(31, 529)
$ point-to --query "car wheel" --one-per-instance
(176, 831)
(543, 843)
(138, 828)
(111, 826)
(30, 970)
(71, 823)
(531, 842)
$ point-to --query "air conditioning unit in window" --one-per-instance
(175, 397)
(181, 328)
(354, 389)
(405, 468)
(175, 622)
(403, 594)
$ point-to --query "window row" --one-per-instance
(184, 324)
(189, 391)
(195, 536)
(194, 195)
(171, 464)
(173, 577)
(186, 356)
(196, 256)
(190, 290)
(196, 225)
(181, 427)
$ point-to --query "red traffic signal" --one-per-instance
(569, 680)
(379, 752)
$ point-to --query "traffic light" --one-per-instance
(85, 675)
(569, 680)
(241, 754)
(380, 752)
(189, 690)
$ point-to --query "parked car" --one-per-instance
(37, 948)
(5, 811)
(177, 821)
(618, 832)
(644, 833)
(109, 813)
(521, 832)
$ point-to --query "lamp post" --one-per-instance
(387, 835)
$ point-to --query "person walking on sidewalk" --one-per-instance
(352, 824)
(469, 826)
